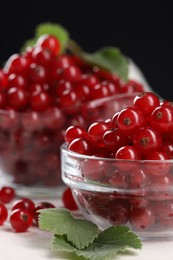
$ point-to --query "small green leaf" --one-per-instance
(60, 244)
(119, 235)
(59, 221)
(54, 29)
(111, 59)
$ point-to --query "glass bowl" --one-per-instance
(108, 192)
(30, 143)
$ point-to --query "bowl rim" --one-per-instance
(64, 149)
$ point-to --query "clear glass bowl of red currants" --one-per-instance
(42, 92)
(121, 170)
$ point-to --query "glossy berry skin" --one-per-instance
(113, 139)
(25, 204)
(146, 102)
(118, 212)
(21, 220)
(162, 119)
(41, 205)
(129, 120)
(7, 194)
(158, 169)
(17, 99)
(80, 145)
(147, 140)
(40, 101)
(73, 132)
(127, 153)
(3, 213)
(49, 42)
(96, 132)
(17, 64)
(142, 218)
(68, 200)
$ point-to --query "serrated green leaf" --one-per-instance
(59, 221)
(60, 244)
(111, 59)
(119, 235)
(108, 243)
(54, 29)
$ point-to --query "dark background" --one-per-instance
(142, 31)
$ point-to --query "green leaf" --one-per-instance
(54, 29)
(108, 243)
(119, 235)
(60, 244)
(59, 221)
(111, 59)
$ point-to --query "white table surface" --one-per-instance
(35, 245)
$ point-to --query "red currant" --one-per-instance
(7, 194)
(3, 213)
(129, 120)
(41, 205)
(21, 220)
(68, 200)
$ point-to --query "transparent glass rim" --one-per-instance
(64, 149)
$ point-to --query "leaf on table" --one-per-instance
(59, 221)
(108, 243)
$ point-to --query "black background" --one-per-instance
(142, 31)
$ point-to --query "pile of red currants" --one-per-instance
(42, 92)
(131, 155)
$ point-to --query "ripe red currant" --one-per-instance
(3, 213)
(68, 200)
(20, 220)
(7, 194)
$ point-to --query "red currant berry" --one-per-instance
(68, 200)
(21, 220)
(81, 146)
(49, 42)
(96, 132)
(41, 205)
(147, 140)
(40, 101)
(17, 99)
(119, 212)
(129, 120)
(162, 119)
(157, 168)
(127, 154)
(7, 194)
(3, 213)
(113, 139)
(146, 102)
(142, 218)
(73, 132)
(25, 204)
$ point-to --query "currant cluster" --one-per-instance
(42, 92)
(24, 211)
(138, 143)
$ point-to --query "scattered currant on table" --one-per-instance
(139, 138)
(24, 212)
